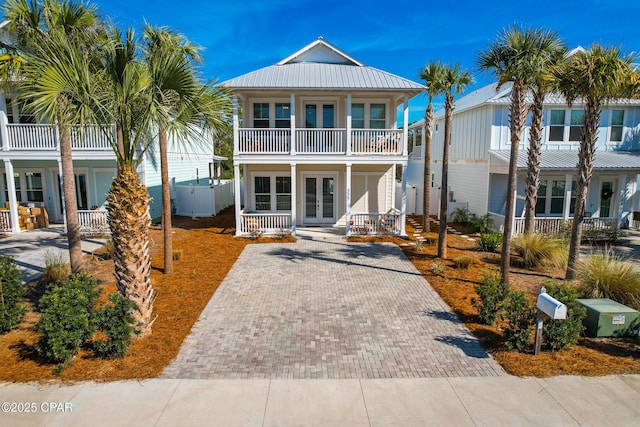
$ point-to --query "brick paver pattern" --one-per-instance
(328, 309)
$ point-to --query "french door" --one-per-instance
(319, 199)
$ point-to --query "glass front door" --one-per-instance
(606, 199)
(319, 116)
(319, 200)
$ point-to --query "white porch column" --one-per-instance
(64, 207)
(348, 150)
(236, 190)
(623, 191)
(292, 111)
(236, 127)
(13, 201)
(4, 132)
(219, 167)
(566, 208)
(405, 132)
(294, 199)
(403, 202)
(347, 203)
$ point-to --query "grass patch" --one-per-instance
(605, 275)
(537, 251)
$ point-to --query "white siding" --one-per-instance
(469, 183)
(470, 135)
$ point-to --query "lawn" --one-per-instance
(209, 251)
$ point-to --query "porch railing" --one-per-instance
(363, 224)
(325, 141)
(264, 141)
(592, 228)
(44, 137)
(257, 224)
(5, 220)
(93, 222)
(320, 141)
(376, 141)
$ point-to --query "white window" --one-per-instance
(261, 115)
(617, 126)
(269, 188)
(378, 116)
(556, 125)
(357, 116)
(368, 115)
(575, 126)
(551, 200)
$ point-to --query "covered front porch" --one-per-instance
(356, 198)
(611, 200)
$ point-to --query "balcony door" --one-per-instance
(319, 115)
(319, 199)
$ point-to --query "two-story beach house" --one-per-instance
(30, 169)
(480, 150)
(316, 142)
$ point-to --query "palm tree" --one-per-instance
(53, 37)
(126, 103)
(453, 82)
(542, 83)
(595, 76)
(432, 76)
(180, 106)
(515, 57)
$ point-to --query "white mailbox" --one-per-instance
(551, 306)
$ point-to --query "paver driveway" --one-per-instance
(328, 309)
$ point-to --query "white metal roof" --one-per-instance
(320, 65)
(568, 160)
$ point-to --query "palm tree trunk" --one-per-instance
(442, 232)
(129, 222)
(426, 155)
(517, 115)
(166, 202)
(586, 156)
(533, 162)
(70, 201)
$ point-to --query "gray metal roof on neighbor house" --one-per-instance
(568, 160)
(320, 65)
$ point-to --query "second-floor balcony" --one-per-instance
(45, 137)
(385, 142)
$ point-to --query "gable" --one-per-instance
(320, 52)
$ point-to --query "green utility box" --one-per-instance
(607, 318)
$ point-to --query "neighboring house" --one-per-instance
(316, 140)
(30, 153)
(480, 150)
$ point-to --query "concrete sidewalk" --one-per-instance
(489, 401)
(28, 248)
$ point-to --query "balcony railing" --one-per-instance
(5, 220)
(38, 137)
(257, 224)
(320, 141)
(364, 224)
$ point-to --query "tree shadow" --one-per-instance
(442, 315)
(470, 346)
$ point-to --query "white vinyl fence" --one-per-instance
(196, 201)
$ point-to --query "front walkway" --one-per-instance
(328, 309)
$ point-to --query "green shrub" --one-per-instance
(56, 267)
(11, 293)
(116, 323)
(605, 275)
(463, 262)
(489, 242)
(557, 334)
(461, 216)
(480, 224)
(520, 317)
(492, 294)
(67, 311)
(537, 250)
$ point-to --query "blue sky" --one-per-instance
(397, 36)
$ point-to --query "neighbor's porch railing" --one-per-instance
(44, 137)
(558, 226)
(93, 222)
(256, 224)
(5, 220)
(320, 141)
(363, 224)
